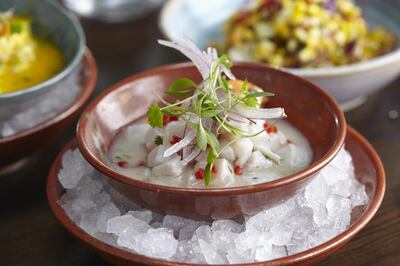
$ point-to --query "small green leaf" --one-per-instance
(259, 94)
(15, 27)
(212, 156)
(212, 140)
(210, 113)
(154, 116)
(251, 98)
(207, 173)
(181, 87)
(201, 137)
(158, 140)
(223, 83)
(174, 110)
(224, 60)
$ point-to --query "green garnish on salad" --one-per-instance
(208, 108)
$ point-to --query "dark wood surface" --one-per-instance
(30, 235)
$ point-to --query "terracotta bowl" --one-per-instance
(309, 109)
(369, 171)
(24, 143)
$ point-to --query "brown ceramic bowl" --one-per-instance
(24, 143)
(368, 169)
(309, 109)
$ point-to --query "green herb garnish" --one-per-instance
(158, 140)
(210, 102)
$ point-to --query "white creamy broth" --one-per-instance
(264, 158)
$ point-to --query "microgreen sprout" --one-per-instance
(209, 107)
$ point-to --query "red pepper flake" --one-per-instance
(214, 169)
(123, 164)
(199, 174)
(167, 119)
(141, 163)
(238, 170)
(175, 139)
(269, 128)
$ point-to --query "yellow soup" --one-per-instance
(25, 60)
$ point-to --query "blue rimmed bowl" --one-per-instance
(350, 84)
(48, 18)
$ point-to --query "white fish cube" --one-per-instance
(170, 168)
(156, 156)
(224, 174)
(150, 138)
(293, 155)
(277, 140)
(227, 152)
(174, 128)
(242, 149)
(256, 162)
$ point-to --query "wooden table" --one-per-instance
(30, 235)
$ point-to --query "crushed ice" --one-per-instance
(317, 214)
(59, 99)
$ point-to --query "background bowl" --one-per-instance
(49, 18)
(309, 109)
(24, 143)
(202, 21)
(368, 169)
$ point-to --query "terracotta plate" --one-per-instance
(369, 171)
(24, 143)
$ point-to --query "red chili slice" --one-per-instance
(199, 174)
(214, 169)
(123, 164)
(238, 170)
(175, 139)
(167, 119)
(269, 128)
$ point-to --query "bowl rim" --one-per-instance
(88, 86)
(297, 176)
(381, 61)
(324, 248)
(12, 96)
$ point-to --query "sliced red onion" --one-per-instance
(187, 159)
(191, 51)
(260, 113)
(181, 144)
(202, 60)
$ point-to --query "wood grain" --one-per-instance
(30, 235)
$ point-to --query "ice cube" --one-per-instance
(203, 232)
(210, 254)
(118, 224)
(157, 243)
(109, 211)
(316, 195)
(74, 167)
(222, 241)
(339, 210)
(238, 256)
(88, 220)
(278, 252)
(106, 238)
(175, 223)
(281, 233)
(144, 215)
(226, 225)
(188, 230)
(189, 252)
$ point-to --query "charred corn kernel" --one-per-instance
(304, 33)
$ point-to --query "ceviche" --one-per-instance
(25, 60)
(217, 133)
(303, 33)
